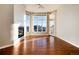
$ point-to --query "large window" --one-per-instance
(40, 23)
(27, 23)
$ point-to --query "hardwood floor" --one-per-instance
(41, 45)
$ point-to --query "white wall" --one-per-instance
(6, 20)
(19, 12)
(67, 23)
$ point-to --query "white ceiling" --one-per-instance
(47, 7)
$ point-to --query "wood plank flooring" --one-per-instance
(41, 45)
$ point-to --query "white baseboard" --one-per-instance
(6, 46)
(37, 34)
(70, 42)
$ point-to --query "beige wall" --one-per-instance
(6, 20)
(9, 15)
(67, 23)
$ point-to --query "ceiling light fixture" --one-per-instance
(40, 6)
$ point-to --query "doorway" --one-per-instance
(52, 24)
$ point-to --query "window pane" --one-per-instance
(35, 23)
(27, 23)
(39, 23)
(44, 23)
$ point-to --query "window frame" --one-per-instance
(42, 24)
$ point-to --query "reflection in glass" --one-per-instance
(28, 23)
(35, 23)
(40, 23)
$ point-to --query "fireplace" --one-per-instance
(20, 31)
